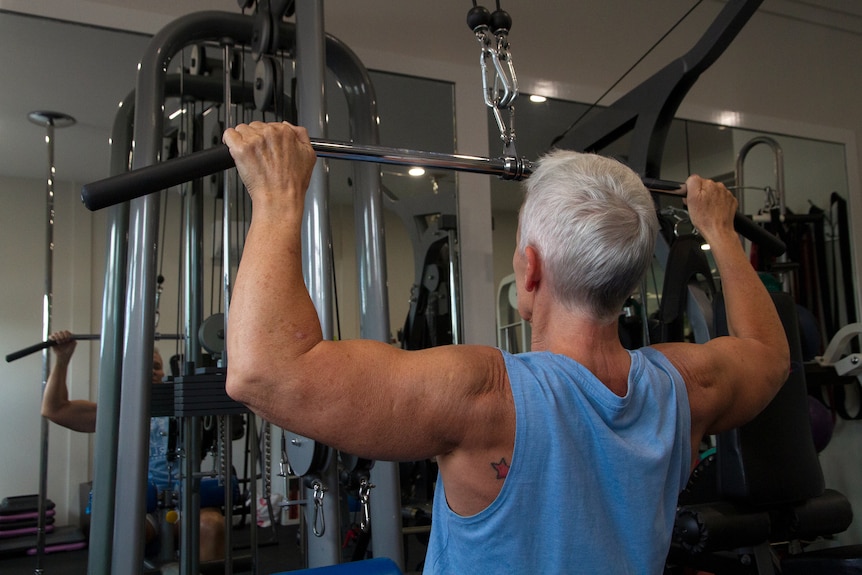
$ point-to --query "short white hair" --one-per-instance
(593, 223)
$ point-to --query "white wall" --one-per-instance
(23, 230)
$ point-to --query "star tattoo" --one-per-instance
(502, 468)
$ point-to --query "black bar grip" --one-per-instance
(768, 243)
(77, 337)
(28, 350)
(140, 182)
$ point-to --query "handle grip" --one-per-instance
(28, 350)
(77, 337)
(768, 243)
(140, 182)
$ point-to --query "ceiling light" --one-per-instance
(537, 99)
(416, 171)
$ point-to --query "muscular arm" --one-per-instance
(364, 397)
(731, 379)
(77, 415)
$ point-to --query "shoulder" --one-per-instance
(708, 373)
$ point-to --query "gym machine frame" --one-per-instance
(143, 224)
(658, 108)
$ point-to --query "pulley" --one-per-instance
(268, 85)
(211, 334)
(305, 455)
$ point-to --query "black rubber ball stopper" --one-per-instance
(500, 20)
(478, 16)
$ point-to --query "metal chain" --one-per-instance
(267, 460)
(221, 447)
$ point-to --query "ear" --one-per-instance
(532, 269)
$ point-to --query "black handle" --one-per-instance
(140, 182)
(50, 343)
(768, 243)
(28, 350)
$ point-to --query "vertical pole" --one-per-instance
(387, 540)
(127, 552)
(194, 201)
(191, 497)
(132, 460)
(229, 121)
(47, 304)
(107, 416)
(193, 272)
(49, 120)
(455, 286)
(317, 235)
(228, 494)
(226, 259)
(111, 358)
(128, 535)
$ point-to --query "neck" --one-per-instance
(592, 343)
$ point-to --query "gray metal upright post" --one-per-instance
(191, 500)
(128, 540)
(387, 539)
(111, 358)
(133, 434)
(317, 235)
(193, 262)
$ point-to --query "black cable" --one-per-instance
(164, 221)
(687, 149)
(181, 276)
(556, 140)
(212, 245)
(334, 290)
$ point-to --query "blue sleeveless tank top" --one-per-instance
(594, 478)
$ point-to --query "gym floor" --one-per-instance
(277, 552)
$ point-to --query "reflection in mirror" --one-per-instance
(815, 184)
(69, 64)
(421, 229)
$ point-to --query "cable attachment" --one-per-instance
(682, 225)
(284, 469)
(318, 523)
(501, 23)
(365, 487)
(159, 289)
(499, 81)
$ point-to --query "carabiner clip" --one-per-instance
(318, 524)
(365, 487)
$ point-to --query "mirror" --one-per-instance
(72, 61)
(813, 171)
